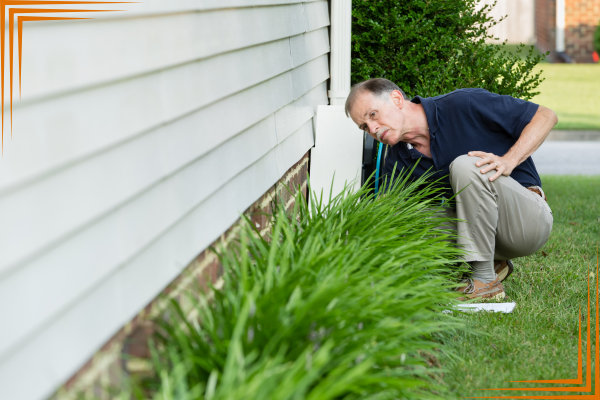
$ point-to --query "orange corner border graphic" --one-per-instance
(20, 21)
(579, 380)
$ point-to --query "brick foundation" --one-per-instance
(581, 20)
(127, 351)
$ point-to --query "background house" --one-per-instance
(566, 28)
(141, 138)
(518, 27)
(563, 27)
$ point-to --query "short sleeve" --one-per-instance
(500, 112)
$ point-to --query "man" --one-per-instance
(481, 142)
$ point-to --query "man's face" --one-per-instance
(379, 118)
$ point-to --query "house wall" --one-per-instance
(545, 24)
(581, 19)
(518, 25)
(127, 353)
(140, 138)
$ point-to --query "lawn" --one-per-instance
(573, 92)
(539, 339)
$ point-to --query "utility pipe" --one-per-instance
(341, 24)
(560, 26)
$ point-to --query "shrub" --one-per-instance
(434, 47)
(342, 302)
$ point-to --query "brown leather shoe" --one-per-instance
(503, 268)
(473, 288)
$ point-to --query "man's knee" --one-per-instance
(464, 165)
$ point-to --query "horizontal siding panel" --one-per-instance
(294, 115)
(70, 56)
(115, 112)
(34, 217)
(151, 7)
(54, 356)
(187, 88)
(28, 215)
(316, 15)
(214, 4)
(308, 75)
(294, 147)
(38, 291)
(309, 46)
(64, 202)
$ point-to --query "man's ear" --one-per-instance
(397, 99)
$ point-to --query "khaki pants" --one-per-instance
(501, 220)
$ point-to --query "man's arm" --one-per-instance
(531, 138)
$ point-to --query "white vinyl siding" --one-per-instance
(131, 153)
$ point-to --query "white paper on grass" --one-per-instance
(338, 150)
(496, 307)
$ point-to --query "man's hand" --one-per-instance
(531, 138)
(502, 165)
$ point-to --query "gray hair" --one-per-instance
(379, 87)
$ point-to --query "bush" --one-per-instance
(597, 38)
(344, 301)
(434, 47)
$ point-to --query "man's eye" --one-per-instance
(373, 115)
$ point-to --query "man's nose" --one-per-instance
(372, 128)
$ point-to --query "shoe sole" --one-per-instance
(497, 293)
(498, 296)
(505, 272)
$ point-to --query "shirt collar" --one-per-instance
(430, 112)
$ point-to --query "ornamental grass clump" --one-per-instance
(342, 301)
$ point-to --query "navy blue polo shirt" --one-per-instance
(462, 121)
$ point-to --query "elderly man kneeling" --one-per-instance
(480, 142)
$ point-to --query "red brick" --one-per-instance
(581, 18)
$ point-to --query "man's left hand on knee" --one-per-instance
(502, 165)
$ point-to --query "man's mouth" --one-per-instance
(381, 135)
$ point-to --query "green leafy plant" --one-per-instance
(430, 48)
(343, 300)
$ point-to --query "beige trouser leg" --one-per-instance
(501, 219)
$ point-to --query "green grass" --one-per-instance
(539, 339)
(573, 92)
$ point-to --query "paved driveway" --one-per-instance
(568, 158)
